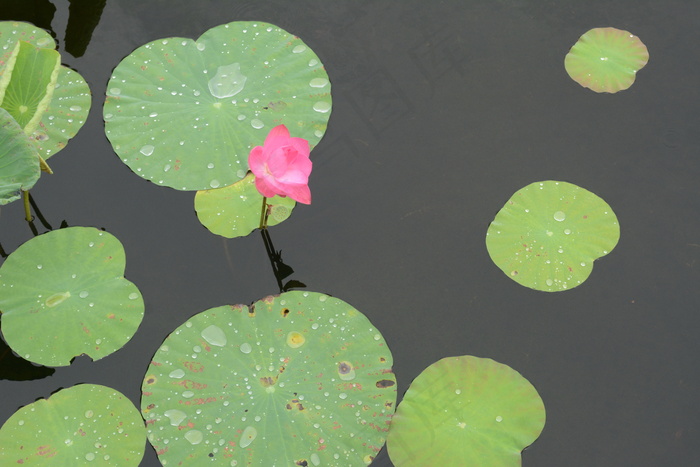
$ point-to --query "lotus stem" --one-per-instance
(263, 214)
(27, 208)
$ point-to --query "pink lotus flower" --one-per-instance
(282, 166)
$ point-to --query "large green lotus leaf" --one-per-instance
(186, 113)
(548, 234)
(10, 33)
(19, 161)
(85, 424)
(63, 294)
(296, 379)
(234, 211)
(606, 59)
(465, 411)
(65, 114)
(31, 84)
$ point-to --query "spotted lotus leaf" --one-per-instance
(296, 379)
(185, 113)
(548, 234)
(63, 294)
(87, 424)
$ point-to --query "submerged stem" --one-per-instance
(27, 208)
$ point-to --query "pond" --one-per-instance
(441, 112)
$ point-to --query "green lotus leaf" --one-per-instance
(85, 424)
(10, 33)
(63, 294)
(31, 85)
(19, 161)
(466, 411)
(548, 234)
(185, 113)
(606, 59)
(63, 109)
(296, 379)
(65, 114)
(234, 211)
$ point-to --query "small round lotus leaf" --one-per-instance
(65, 115)
(606, 59)
(548, 234)
(185, 113)
(63, 294)
(19, 161)
(296, 379)
(234, 211)
(85, 424)
(464, 411)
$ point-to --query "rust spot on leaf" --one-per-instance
(385, 383)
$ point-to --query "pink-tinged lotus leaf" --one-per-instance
(282, 166)
(606, 59)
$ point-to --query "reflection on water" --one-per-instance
(83, 18)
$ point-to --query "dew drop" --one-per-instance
(89, 414)
(176, 416)
(257, 124)
(214, 335)
(147, 150)
(214, 184)
(57, 299)
(200, 46)
(194, 436)
(83, 294)
(241, 117)
(499, 419)
(179, 373)
(133, 296)
(248, 436)
(240, 173)
(166, 168)
(39, 266)
(187, 394)
(322, 107)
(315, 460)
(246, 348)
(210, 165)
(567, 231)
(90, 456)
(153, 114)
(115, 91)
(75, 108)
(318, 82)
(227, 82)
(559, 216)
(549, 282)
(342, 395)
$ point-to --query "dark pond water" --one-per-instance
(441, 110)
